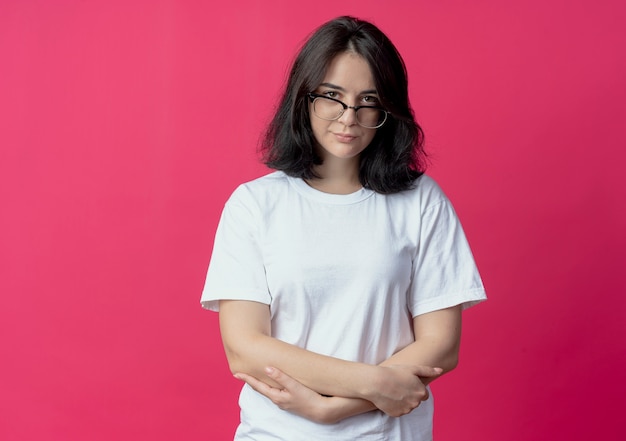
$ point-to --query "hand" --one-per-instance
(398, 389)
(293, 396)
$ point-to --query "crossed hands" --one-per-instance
(396, 391)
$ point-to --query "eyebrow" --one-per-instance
(334, 86)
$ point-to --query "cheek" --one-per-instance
(318, 127)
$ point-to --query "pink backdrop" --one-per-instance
(125, 125)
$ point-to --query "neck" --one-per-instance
(337, 176)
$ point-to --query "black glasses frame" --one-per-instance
(314, 96)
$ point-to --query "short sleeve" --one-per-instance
(444, 271)
(236, 270)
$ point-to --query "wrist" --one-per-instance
(373, 379)
(326, 410)
(336, 409)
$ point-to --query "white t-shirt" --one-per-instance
(343, 276)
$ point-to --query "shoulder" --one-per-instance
(260, 187)
(425, 192)
(259, 196)
(426, 185)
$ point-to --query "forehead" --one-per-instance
(351, 72)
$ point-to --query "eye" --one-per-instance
(330, 94)
(370, 100)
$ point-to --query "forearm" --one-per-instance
(339, 408)
(421, 353)
(250, 349)
(292, 396)
(319, 372)
(426, 352)
(325, 375)
(395, 388)
(432, 347)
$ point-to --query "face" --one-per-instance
(349, 79)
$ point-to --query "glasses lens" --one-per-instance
(371, 117)
(327, 109)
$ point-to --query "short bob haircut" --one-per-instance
(395, 157)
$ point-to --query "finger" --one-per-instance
(256, 384)
(427, 371)
(281, 378)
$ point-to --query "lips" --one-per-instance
(344, 137)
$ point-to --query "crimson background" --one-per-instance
(125, 125)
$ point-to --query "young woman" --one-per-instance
(340, 278)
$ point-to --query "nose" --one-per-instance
(348, 117)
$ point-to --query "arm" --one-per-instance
(299, 399)
(245, 328)
(437, 343)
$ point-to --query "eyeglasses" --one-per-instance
(330, 109)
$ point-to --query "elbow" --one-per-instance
(450, 355)
(236, 363)
(234, 368)
(451, 361)
(245, 356)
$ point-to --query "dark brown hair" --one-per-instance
(395, 157)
